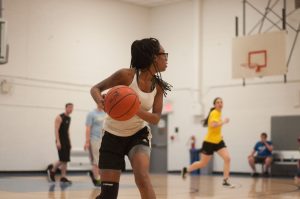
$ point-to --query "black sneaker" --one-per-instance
(65, 180)
(51, 174)
(96, 182)
(227, 184)
(255, 174)
(49, 167)
(184, 172)
(58, 171)
(266, 174)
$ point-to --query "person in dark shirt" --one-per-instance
(263, 150)
(63, 145)
(297, 177)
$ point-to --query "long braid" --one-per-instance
(165, 86)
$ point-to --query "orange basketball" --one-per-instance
(121, 103)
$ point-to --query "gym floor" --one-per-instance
(167, 186)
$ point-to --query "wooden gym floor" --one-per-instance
(167, 186)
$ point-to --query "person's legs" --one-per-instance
(63, 168)
(95, 175)
(56, 165)
(109, 184)
(225, 156)
(94, 156)
(206, 151)
(251, 161)
(95, 147)
(64, 158)
(139, 157)
(111, 162)
(96, 172)
(204, 160)
(223, 152)
(52, 169)
(267, 164)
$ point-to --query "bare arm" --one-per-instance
(125, 77)
(69, 139)
(220, 123)
(121, 77)
(252, 153)
(87, 137)
(154, 117)
(269, 147)
(57, 124)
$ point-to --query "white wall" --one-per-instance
(177, 25)
(60, 48)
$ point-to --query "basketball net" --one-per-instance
(253, 66)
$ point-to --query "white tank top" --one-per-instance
(133, 125)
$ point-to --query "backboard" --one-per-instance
(259, 55)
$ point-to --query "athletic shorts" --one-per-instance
(114, 148)
(260, 160)
(209, 148)
(94, 150)
(64, 154)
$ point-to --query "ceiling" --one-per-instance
(151, 3)
(295, 16)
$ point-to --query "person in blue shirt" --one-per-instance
(93, 134)
(262, 153)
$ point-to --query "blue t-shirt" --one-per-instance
(262, 150)
(95, 120)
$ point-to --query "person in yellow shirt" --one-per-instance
(213, 142)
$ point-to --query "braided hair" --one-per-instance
(143, 53)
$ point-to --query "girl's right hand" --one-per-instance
(101, 104)
(226, 120)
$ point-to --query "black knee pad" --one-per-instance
(109, 190)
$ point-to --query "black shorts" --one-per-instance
(260, 160)
(114, 148)
(209, 148)
(64, 154)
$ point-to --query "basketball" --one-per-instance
(121, 103)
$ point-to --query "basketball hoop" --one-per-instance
(253, 66)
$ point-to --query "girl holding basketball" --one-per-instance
(132, 137)
(213, 142)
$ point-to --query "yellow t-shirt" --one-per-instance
(214, 133)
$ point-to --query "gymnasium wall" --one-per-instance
(59, 49)
(178, 26)
(285, 133)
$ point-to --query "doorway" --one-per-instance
(159, 157)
